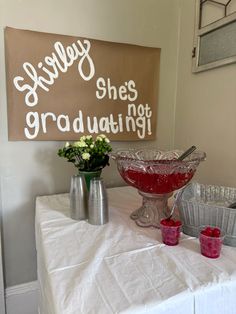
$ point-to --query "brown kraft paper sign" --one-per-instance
(61, 87)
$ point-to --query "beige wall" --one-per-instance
(206, 109)
(28, 169)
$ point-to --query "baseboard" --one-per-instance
(22, 299)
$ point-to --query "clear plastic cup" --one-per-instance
(211, 242)
(170, 234)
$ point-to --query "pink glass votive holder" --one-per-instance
(170, 234)
(210, 244)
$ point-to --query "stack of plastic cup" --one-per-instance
(97, 202)
(78, 198)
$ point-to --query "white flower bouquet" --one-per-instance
(88, 154)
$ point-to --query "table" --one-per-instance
(122, 268)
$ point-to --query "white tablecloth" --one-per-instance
(122, 268)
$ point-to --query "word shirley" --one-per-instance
(59, 61)
(138, 119)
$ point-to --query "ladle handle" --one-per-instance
(187, 152)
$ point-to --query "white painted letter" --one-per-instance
(66, 128)
(112, 91)
(95, 125)
(34, 124)
(44, 120)
(85, 52)
(131, 88)
(78, 124)
(101, 84)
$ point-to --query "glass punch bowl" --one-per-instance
(156, 174)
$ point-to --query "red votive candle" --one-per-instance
(170, 231)
(211, 239)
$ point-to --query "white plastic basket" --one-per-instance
(202, 204)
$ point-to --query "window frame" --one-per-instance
(199, 32)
